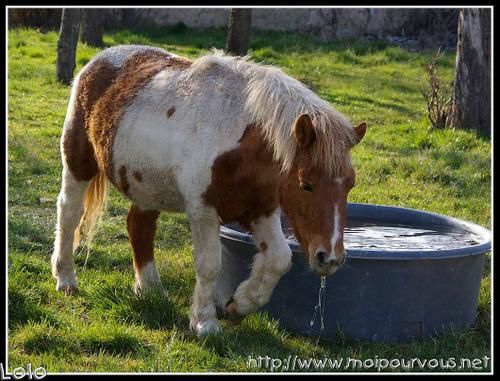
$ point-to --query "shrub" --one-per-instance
(436, 95)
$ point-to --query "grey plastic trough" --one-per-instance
(379, 295)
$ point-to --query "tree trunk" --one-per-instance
(238, 36)
(66, 45)
(92, 27)
(471, 107)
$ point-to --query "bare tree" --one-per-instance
(92, 27)
(471, 107)
(66, 45)
(238, 36)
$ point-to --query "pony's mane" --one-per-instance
(275, 100)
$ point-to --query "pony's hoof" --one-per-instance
(207, 327)
(152, 288)
(231, 314)
(68, 286)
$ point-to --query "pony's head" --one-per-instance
(314, 191)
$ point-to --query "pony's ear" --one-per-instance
(304, 131)
(360, 131)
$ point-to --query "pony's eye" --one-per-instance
(306, 187)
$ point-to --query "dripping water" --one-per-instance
(320, 308)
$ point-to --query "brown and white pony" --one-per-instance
(221, 138)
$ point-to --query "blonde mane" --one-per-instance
(275, 100)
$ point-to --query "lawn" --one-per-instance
(105, 327)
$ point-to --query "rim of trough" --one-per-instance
(387, 212)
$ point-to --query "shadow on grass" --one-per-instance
(40, 338)
(153, 309)
(22, 309)
(487, 264)
(280, 42)
(256, 335)
(117, 342)
(99, 259)
(350, 99)
(36, 338)
(198, 39)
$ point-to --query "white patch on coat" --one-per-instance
(336, 228)
(175, 155)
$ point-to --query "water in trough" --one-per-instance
(370, 235)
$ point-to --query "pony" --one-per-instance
(221, 138)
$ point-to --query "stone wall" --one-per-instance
(329, 23)
(325, 23)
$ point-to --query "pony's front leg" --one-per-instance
(270, 264)
(207, 257)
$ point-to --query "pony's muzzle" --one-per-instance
(326, 264)
(324, 259)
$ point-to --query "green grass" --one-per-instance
(105, 327)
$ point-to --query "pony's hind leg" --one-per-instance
(70, 205)
(207, 256)
(80, 170)
(270, 264)
(141, 226)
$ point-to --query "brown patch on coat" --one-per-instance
(170, 111)
(244, 183)
(137, 175)
(141, 227)
(263, 246)
(77, 148)
(124, 184)
(135, 73)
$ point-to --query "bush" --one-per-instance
(437, 96)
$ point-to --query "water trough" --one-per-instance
(408, 274)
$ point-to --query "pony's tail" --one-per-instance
(93, 206)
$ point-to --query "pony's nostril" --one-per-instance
(321, 257)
